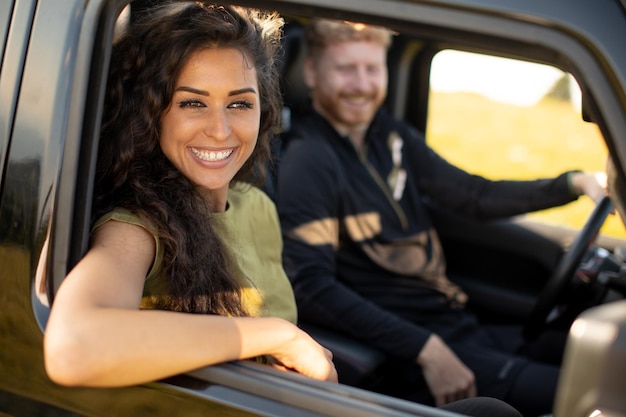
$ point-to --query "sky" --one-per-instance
(501, 79)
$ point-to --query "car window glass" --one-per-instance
(508, 119)
(5, 13)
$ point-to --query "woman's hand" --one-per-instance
(304, 355)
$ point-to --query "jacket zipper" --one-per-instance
(362, 153)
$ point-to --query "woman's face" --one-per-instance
(211, 126)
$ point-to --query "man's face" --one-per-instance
(349, 83)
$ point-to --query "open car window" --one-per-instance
(505, 118)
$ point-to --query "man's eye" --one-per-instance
(191, 103)
(347, 70)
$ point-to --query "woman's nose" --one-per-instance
(217, 125)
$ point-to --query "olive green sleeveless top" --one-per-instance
(250, 229)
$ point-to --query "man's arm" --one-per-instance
(481, 198)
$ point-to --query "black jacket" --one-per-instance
(369, 263)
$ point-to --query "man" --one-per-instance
(360, 249)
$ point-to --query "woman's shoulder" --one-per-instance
(117, 219)
(120, 214)
(124, 216)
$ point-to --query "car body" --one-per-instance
(52, 77)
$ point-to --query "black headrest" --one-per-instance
(295, 91)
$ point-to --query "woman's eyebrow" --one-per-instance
(192, 90)
(206, 93)
(242, 91)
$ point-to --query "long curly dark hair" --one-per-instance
(133, 173)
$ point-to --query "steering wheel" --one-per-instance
(564, 271)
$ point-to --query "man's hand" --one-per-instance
(592, 185)
(447, 377)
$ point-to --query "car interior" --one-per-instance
(478, 253)
(538, 267)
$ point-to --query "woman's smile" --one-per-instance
(212, 156)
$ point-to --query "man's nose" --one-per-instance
(362, 79)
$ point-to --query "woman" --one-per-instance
(191, 100)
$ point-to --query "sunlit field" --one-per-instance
(506, 141)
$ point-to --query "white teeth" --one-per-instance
(211, 156)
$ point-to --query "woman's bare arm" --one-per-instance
(97, 335)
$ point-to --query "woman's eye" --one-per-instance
(241, 104)
(191, 103)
